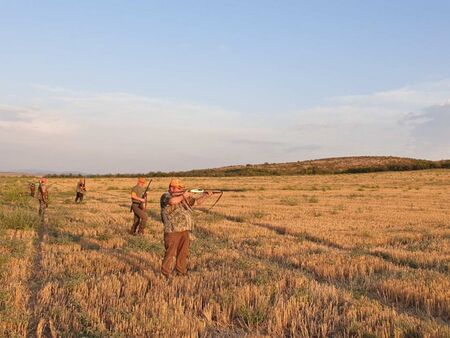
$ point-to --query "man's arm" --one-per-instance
(136, 197)
(179, 198)
(201, 199)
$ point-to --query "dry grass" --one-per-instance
(318, 256)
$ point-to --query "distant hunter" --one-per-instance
(138, 206)
(81, 190)
(32, 186)
(42, 195)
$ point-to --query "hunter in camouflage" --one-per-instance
(176, 215)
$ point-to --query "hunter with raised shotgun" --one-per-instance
(176, 214)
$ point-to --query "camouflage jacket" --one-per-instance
(176, 218)
(42, 193)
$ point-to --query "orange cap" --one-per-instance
(141, 180)
(176, 183)
(43, 180)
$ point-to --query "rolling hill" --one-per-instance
(337, 165)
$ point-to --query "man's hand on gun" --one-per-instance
(204, 195)
(187, 194)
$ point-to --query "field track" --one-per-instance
(361, 255)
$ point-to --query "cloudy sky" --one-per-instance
(115, 86)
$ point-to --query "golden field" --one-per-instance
(361, 255)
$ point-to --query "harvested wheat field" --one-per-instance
(355, 255)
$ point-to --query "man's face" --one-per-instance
(141, 184)
(175, 189)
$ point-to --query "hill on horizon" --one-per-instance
(335, 165)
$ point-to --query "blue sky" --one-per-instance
(108, 86)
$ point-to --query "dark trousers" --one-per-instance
(177, 249)
(79, 197)
(140, 219)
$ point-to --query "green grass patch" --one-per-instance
(289, 201)
(12, 195)
(16, 248)
(104, 237)
(252, 242)
(142, 244)
(58, 237)
(236, 218)
(250, 316)
(258, 214)
(312, 199)
(263, 277)
(18, 219)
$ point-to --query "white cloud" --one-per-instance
(123, 132)
(374, 123)
(28, 119)
(127, 108)
(430, 130)
(118, 130)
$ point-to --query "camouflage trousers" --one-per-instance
(42, 211)
(140, 219)
(177, 249)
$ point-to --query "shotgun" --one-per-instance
(204, 191)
